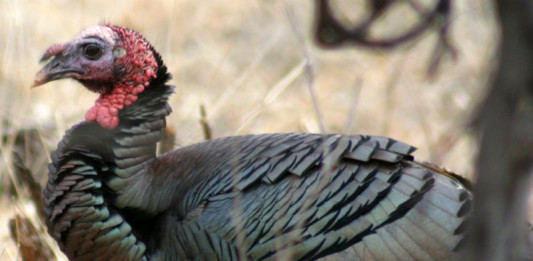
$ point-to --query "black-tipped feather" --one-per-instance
(297, 196)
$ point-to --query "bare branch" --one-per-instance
(505, 163)
(331, 33)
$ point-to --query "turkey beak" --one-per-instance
(59, 67)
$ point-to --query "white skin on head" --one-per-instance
(96, 74)
(96, 59)
(103, 32)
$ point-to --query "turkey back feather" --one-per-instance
(344, 207)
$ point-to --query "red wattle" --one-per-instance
(139, 65)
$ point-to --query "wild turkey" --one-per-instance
(292, 196)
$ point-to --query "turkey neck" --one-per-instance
(130, 149)
(134, 144)
(98, 174)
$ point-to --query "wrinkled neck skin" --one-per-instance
(136, 65)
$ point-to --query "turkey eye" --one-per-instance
(92, 51)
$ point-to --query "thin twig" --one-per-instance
(447, 141)
(309, 68)
(331, 33)
(273, 93)
(389, 101)
(352, 115)
(235, 85)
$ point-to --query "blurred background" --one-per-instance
(245, 63)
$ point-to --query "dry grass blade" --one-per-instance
(28, 238)
(390, 103)
(273, 93)
(235, 85)
(446, 142)
(309, 69)
(351, 116)
(263, 50)
(27, 178)
(208, 133)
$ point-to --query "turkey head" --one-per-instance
(114, 61)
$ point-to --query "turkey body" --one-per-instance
(293, 196)
(302, 197)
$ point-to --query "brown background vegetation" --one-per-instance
(243, 62)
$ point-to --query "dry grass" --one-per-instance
(245, 64)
